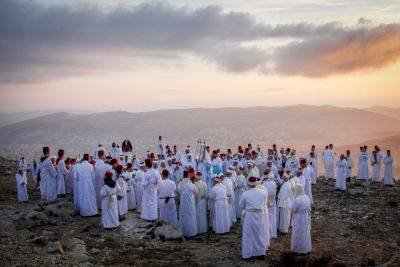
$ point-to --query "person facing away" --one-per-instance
(109, 202)
(87, 195)
(283, 204)
(100, 168)
(122, 194)
(201, 203)
(187, 207)
(270, 184)
(130, 190)
(61, 173)
(341, 170)
(48, 174)
(138, 185)
(350, 165)
(376, 162)
(363, 164)
(151, 181)
(254, 237)
(21, 180)
(240, 189)
(219, 210)
(300, 208)
(388, 161)
(166, 199)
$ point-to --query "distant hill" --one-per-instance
(298, 126)
(390, 112)
(10, 118)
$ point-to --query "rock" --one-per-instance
(78, 250)
(94, 251)
(60, 209)
(7, 228)
(54, 247)
(36, 215)
(40, 240)
(38, 207)
(168, 231)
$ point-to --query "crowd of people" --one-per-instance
(270, 191)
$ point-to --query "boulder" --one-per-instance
(168, 231)
(60, 209)
(54, 247)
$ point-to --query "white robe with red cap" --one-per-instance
(87, 195)
(21, 187)
(301, 237)
(48, 183)
(219, 213)
(231, 199)
(123, 201)
(283, 205)
(240, 189)
(109, 209)
(255, 239)
(100, 169)
(151, 181)
(61, 172)
(130, 191)
(270, 185)
(201, 206)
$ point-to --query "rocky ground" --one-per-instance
(358, 227)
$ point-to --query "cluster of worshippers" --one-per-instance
(342, 168)
(268, 192)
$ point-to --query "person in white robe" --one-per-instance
(87, 195)
(122, 194)
(201, 203)
(187, 207)
(307, 173)
(130, 187)
(151, 181)
(270, 185)
(376, 162)
(363, 164)
(109, 202)
(35, 167)
(69, 182)
(388, 161)
(293, 162)
(229, 184)
(100, 168)
(166, 202)
(312, 162)
(341, 170)
(138, 185)
(329, 161)
(219, 210)
(61, 172)
(75, 177)
(254, 237)
(48, 174)
(21, 180)
(253, 170)
(301, 236)
(350, 165)
(284, 203)
(240, 189)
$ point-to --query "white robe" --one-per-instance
(283, 205)
(21, 187)
(151, 181)
(75, 178)
(254, 237)
(87, 195)
(187, 208)
(270, 185)
(349, 169)
(388, 161)
(167, 208)
(231, 199)
(314, 168)
(61, 172)
(341, 166)
(219, 214)
(138, 185)
(130, 191)
(100, 169)
(363, 166)
(240, 189)
(201, 207)
(69, 183)
(377, 168)
(307, 173)
(329, 161)
(109, 209)
(122, 194)
(301, 237)
(48, 181)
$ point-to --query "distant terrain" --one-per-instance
(297, 126)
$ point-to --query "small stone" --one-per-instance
(94, 251)
(54, 247)
(40, 240)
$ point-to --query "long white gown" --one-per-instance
(270, 185)
(349, 169)
(362, 166)
(138, 185)
(283, 205)
(231, 199)
(329, 160)
(166, 202)
(301, 237)
(377, 168)
(123, 201)
(48, 183)
(87, 195)
(109, 209)
(341, 166)
(151, 181)
(100, 169)
(130, 191)
(254, 237)
(187, 208)
(220, 219)
(307, 173)
(201, 207)
(388, 161)
(240, 189)
(61, 172)
(21, 187)
(75, 178)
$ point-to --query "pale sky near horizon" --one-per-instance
(149, 55)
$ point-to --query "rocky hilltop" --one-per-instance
(358, 227)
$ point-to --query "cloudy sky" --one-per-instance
(139, 56)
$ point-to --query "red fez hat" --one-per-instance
(129, 165)
(100, 153)
(191, 170)
(108, 175)
(119, 168)
(60, 153)
(252, 180)
(46, 150)
(113, 161)
(199, 173)
(86, 156)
